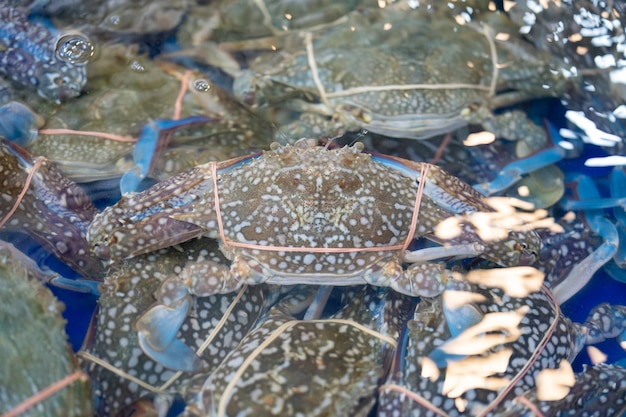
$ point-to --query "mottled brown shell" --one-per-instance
(311, 197)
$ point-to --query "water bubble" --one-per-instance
(137, 66)
(74, 48)
(201, 85)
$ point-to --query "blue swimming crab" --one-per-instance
(453, 363)
(117, 355)
(50, 64)
(384, 71)
(35, 351)
(304, 214)
(329, 366)
(132, 107)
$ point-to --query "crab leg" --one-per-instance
(424, 255)
(47, 276)
(616, 268)
(583, 271)
(42, 202)
(604, 322)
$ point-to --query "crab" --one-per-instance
(37, 199)
(135, 102)
(37, 357)
(351, 214)
(303, 214)
(382, 70)
(323, 367)
(116, 357)
(453, 363)
(53, 66)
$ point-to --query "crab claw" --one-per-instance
(594, 215)
(605, 321)
(178, 356)
(19, 123)
(458, 319)
(156, 332)
(514, 171)
(535, 170)
(154, 137)
(617, 267)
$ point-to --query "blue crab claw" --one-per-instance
(617, 267)
(605, 321)
(514, 171)
(156, 331)
(531, 162)
(19, 124)
(154, 137)
(160, 323)
(178, 356)
(458, 320)
(594, 215)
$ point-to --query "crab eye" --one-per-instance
(520, 246)
(249, 98)
(102, 252)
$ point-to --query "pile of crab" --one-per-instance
(336, 210)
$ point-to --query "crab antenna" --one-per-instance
(362, 133)
(281, 134)
(331, 140)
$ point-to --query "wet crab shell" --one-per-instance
(280, 210)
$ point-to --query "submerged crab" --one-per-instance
(117, 351)
(461, 357)
(384, 71)
(329, 366)
(32, 56)
(36, 355)
(302, 214)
